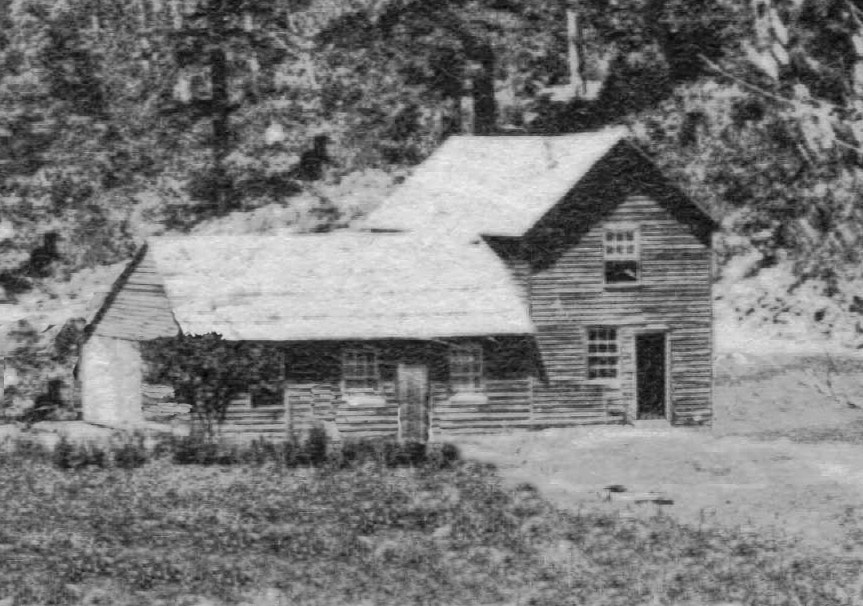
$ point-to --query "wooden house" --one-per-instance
(509, 282)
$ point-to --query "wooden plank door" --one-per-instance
(652, 372)
(413, 394)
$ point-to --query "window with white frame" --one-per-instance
(602, 353)
(360, 370)
(465, 367)
(622, 255)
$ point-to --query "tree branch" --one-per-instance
(744, 83)
(779, 98)
(856, 13)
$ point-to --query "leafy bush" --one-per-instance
(193, 450)
(207, 372)
(315, 450)
(131, 454)
(259, 452)
(442, 456)
(30, 450)
(390, 453)
(316, 445)
(63, 454)
(68, 455)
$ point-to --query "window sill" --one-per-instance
(364, 399)
(623, 286)
(469, 398)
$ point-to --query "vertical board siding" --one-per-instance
(568, 295)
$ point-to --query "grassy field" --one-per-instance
(367, 534)
(783, 453)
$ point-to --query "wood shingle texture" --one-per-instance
(492, 185)
(347, 285)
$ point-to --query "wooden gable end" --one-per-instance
(569, 296)
(623, 172)
(137, 308)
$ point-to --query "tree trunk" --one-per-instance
(221, 127)
(484, 103)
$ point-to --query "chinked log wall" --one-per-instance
(514, 403)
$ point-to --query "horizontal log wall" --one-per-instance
(244, 421)
(568, 403)
(507, 405)
(361, 417)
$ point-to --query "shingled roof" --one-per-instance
(345, 285)
(492, 185)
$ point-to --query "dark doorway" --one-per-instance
(413, 397)
(651, 375)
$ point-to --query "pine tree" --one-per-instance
(225, 46)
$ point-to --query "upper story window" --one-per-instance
(602, 353)
(360, 370)
(621, 250)
(465, 367)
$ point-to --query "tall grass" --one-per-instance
(367, 532)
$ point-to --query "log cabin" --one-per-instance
(510, 282)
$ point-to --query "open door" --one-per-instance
(413, 394)
(651, 377)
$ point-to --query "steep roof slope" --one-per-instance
(492, 185)
(336, 286)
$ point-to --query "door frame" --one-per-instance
(426, 403)
(666, 344)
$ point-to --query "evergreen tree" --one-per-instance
(228, 42)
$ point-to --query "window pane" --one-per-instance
(465, 367)
(359, 370)
(602, 359)
(621, 271)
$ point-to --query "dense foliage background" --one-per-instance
(118, 123)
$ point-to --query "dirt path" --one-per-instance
(812, 492)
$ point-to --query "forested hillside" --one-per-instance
(121, 120)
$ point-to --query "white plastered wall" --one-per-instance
(110, 374)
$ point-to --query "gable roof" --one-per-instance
(492, 185)
(345, 285)
(504, 185)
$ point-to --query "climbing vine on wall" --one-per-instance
(209, 372)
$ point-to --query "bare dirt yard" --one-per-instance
(783, 459)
